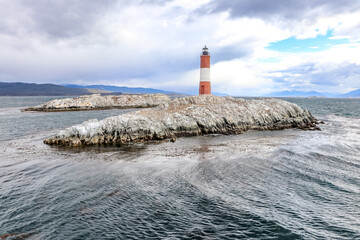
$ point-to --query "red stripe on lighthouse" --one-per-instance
(205, 61)
(205, 88)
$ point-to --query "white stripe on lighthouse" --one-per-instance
(204, 74)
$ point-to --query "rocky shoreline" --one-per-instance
(189, 116)
(98, 102)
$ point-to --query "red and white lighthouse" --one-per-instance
(205, 86)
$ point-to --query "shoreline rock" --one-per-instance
(98, 102)
(189, 116)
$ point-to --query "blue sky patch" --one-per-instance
(320, 43)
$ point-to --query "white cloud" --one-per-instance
(158, 45)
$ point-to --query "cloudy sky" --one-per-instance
(256, 46)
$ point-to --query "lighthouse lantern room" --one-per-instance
(205, 86)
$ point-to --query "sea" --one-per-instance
(288, 184)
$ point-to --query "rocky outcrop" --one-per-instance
(188, 116)
(97, 102)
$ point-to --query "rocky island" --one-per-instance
(98, 102)
(188, 116)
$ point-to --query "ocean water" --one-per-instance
(288, 184)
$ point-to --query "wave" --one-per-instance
(277, 184)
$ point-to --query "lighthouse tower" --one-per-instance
(205, 86)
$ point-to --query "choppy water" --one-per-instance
(287, 184)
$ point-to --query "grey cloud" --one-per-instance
(231, 52)
(288, 9)
(336, 75)
(62, 19)
(156, 2)
(301, 70)
(326, 76)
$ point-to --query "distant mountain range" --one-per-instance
(355, 93)
(295, 93)
(32, 89)
(134, 90)
(119, 89)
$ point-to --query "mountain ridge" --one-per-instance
(49, 89)
(33, 89)
(355, 93)
(295, 93)
(122, 89)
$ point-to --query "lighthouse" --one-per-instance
(205, 86)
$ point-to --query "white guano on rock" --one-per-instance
(97, 102)
(189, 116)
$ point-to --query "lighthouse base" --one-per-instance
(205, 88)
